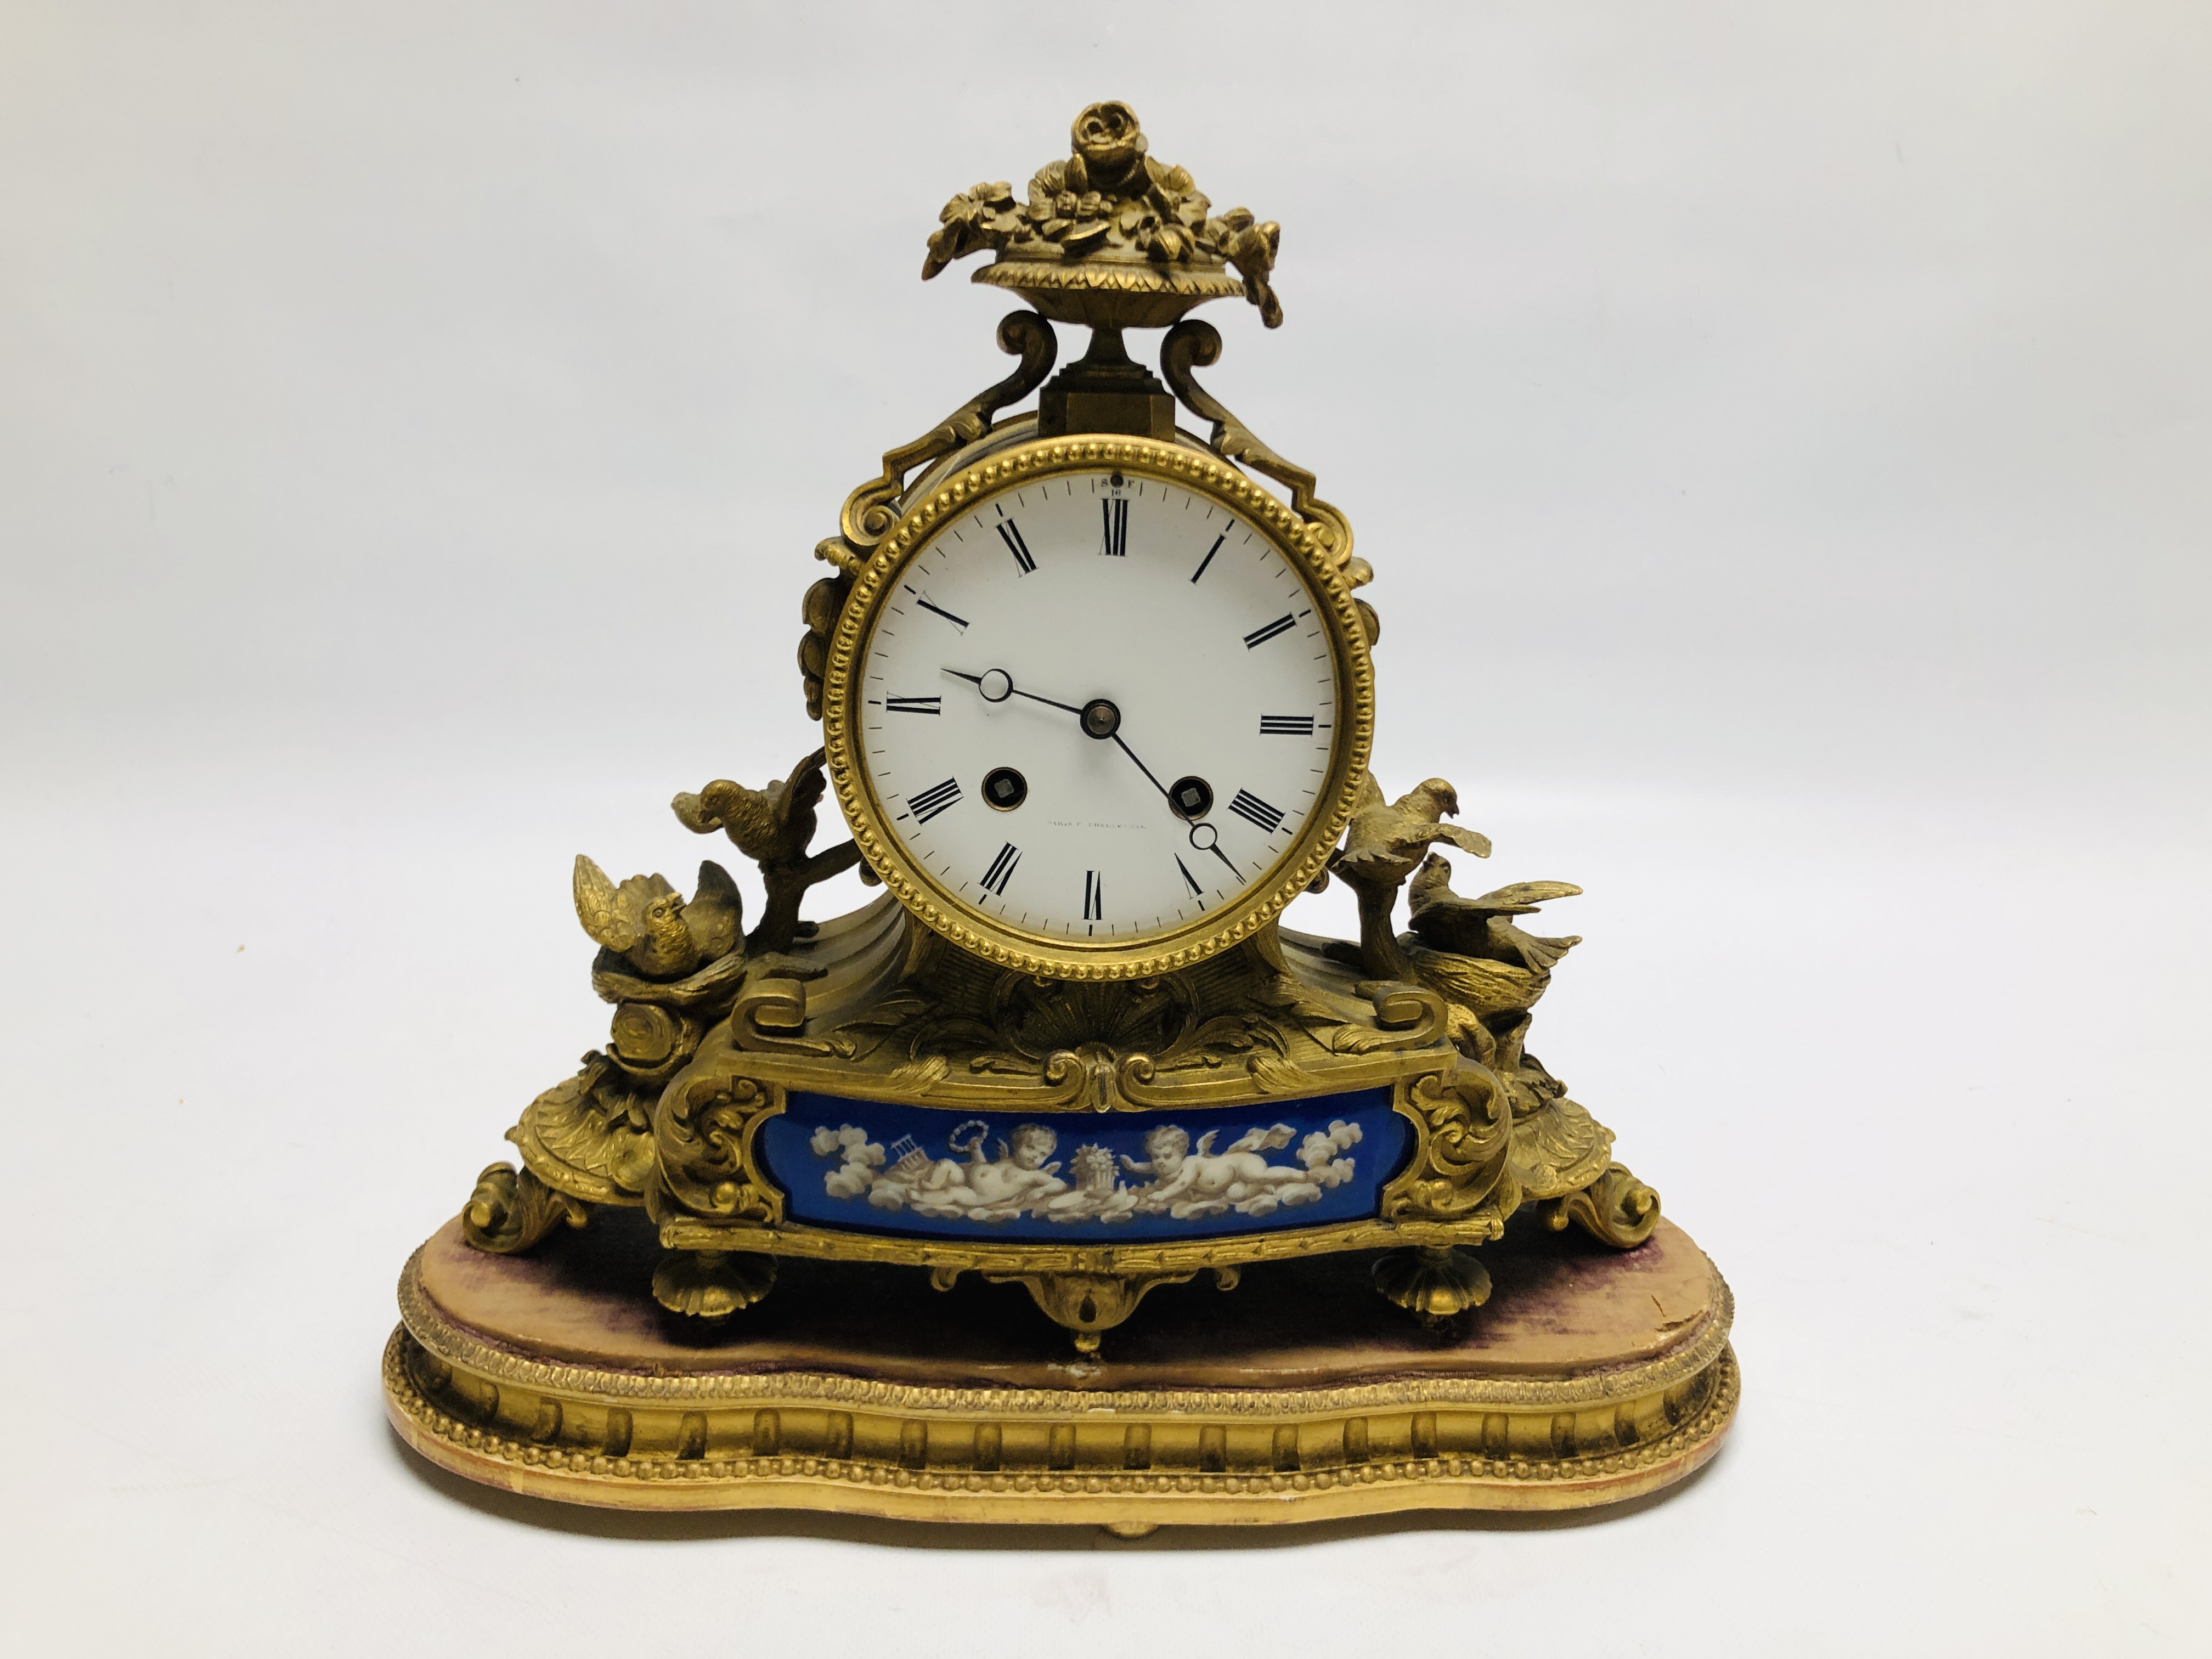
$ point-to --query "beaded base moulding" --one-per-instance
(1592, 1376)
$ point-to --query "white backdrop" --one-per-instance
(1783, 439)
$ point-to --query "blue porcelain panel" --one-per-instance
(1070, 1178)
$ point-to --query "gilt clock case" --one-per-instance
(937, 896)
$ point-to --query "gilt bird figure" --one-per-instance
(1385, 839)
(773, 826)
(1488, 971)
(651, 926)
(1481, 926)
(1382, 845)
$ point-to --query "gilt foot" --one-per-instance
(1433, 1283)
(712, 1284)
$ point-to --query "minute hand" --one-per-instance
(1210, 841)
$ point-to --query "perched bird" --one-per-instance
(772, 825)
(1384, 842)
(1479, 927)
(649, 924)
(1488, 972)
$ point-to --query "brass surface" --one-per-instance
(875, 1006)
(1437, 1284)
(1110, 237)
(918, 999)
(1104, 391)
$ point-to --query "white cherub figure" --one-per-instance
(1191, 1185)
(996, 1189)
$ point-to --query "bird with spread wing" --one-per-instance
(1488, 971)
(1482, 927)
(1382, 844)
(654, 927)
(773, 827)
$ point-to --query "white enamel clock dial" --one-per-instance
(1098, 706)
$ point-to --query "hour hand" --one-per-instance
(996, 683)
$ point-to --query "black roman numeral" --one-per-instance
(1196, 890)
(1002, 868)
(1010, 533)
(1094, 896)
(960, 623)
(1117, 528)
(1286, 726)
(1250, 807)
(936, 706)
(934, 799)
(1210, 552)
(1262, 635)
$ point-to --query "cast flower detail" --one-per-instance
(1110, 199)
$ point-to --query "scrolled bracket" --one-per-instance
(1192, 344)
(1616, 1208)
(871, 511)
(511, 1210)
(703, 1131)
(1458, 1174)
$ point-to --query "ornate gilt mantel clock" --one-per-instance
(1097, 700)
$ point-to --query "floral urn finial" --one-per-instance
(1109, 236)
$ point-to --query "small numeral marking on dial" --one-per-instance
(1262, 635)
(1250, 807)
(919, 705)
(934, 799)
(1190, 880)
(1094, 896)
(1116, 543)
(1210, 552)
(1002, 869)
(1010, 533)
(1286, 726)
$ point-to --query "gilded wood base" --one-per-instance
(1591, 1376)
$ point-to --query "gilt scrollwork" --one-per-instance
(701, 1132)
(1255, 1026)
(1616, 1207)
(712, 1285)
(1193, 344)
(1459, 1170)
(511, 1210)
(871, 509)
